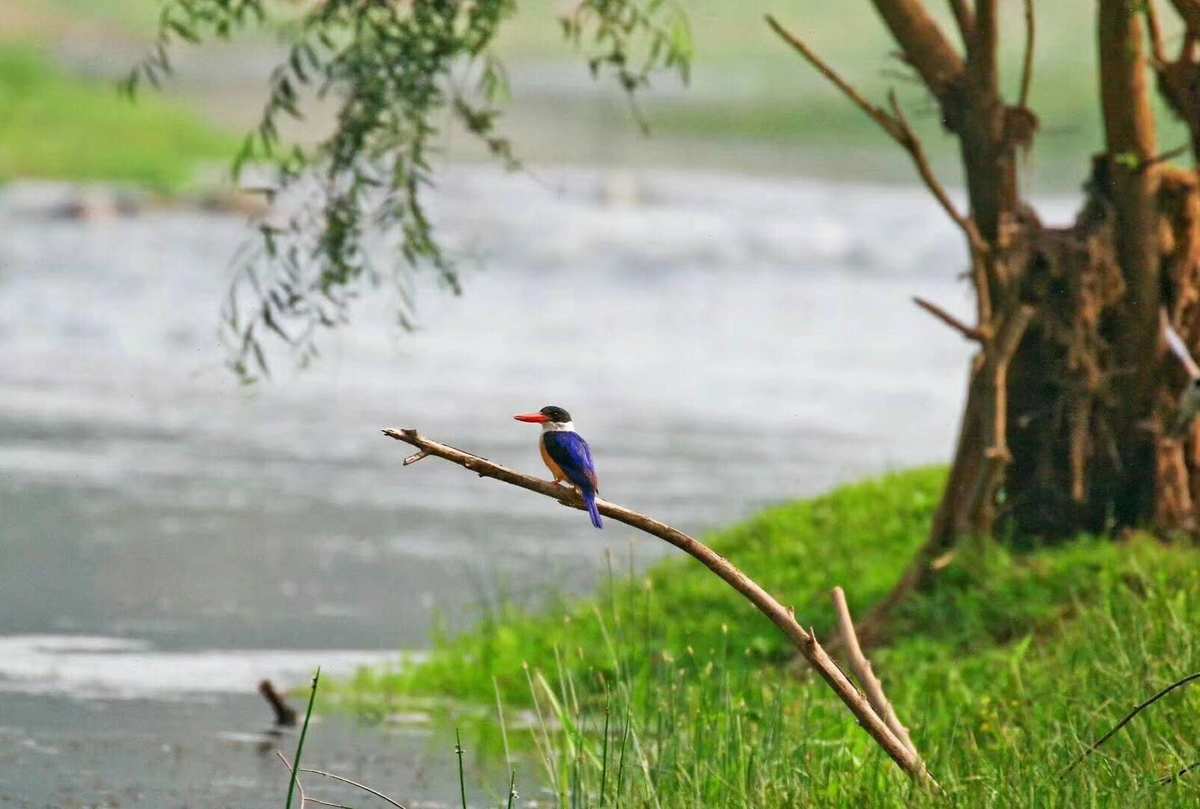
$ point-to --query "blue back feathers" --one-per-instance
(572, 454)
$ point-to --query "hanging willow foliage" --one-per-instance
(395, 69)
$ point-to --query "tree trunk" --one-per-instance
(1062, 430)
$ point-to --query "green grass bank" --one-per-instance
(55, 126)
(668, 690)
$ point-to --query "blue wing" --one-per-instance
(573, 455)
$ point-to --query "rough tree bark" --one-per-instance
(1062, 427)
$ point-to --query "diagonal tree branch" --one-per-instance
(968, 332)
(782, 617)
(965, 18)
(875, 113)
(1177, 80)
(1027, 61)
(912, 145)
(993, 378)
(894, 123)
(1158, 51)
(347, 781)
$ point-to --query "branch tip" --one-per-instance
(893, 123)
(412, 459)
(1027, 61)
(968, 332)
(872, 687)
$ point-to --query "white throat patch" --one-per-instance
(558, 426)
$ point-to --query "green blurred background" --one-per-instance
(752, 104)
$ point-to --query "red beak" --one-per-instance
(532, 418)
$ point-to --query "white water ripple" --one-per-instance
(99, 667)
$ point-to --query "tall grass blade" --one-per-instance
(462, 781)
(312, 698)
(604, 757)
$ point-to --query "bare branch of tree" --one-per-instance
(983, 63)
(1125, 720)
(782, 617)
(1177, 79)
(1154, 29)
(320, 802)
(363, 787)
(965, 18)
(295, 777)
(1027, 61)
(304, 800)
(999, 355)
(872, 687)
(893, 123)
(925, 46)
(969, 332)
(994, 381)
(1009, 338)
(983, 290)
(913, 145)
(876, 114)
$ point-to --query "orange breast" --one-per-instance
(554, 468)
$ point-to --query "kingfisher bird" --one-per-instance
(567, 455)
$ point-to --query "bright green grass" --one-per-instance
(1004, 673)
(57, 127)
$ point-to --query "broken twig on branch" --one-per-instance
(969, 332)
(779, 615)
(861, 667)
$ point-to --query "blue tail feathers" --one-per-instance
(589, 499)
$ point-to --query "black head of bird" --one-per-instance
(550, 414)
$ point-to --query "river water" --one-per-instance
(167, 537)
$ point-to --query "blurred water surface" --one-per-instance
(723, 343)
